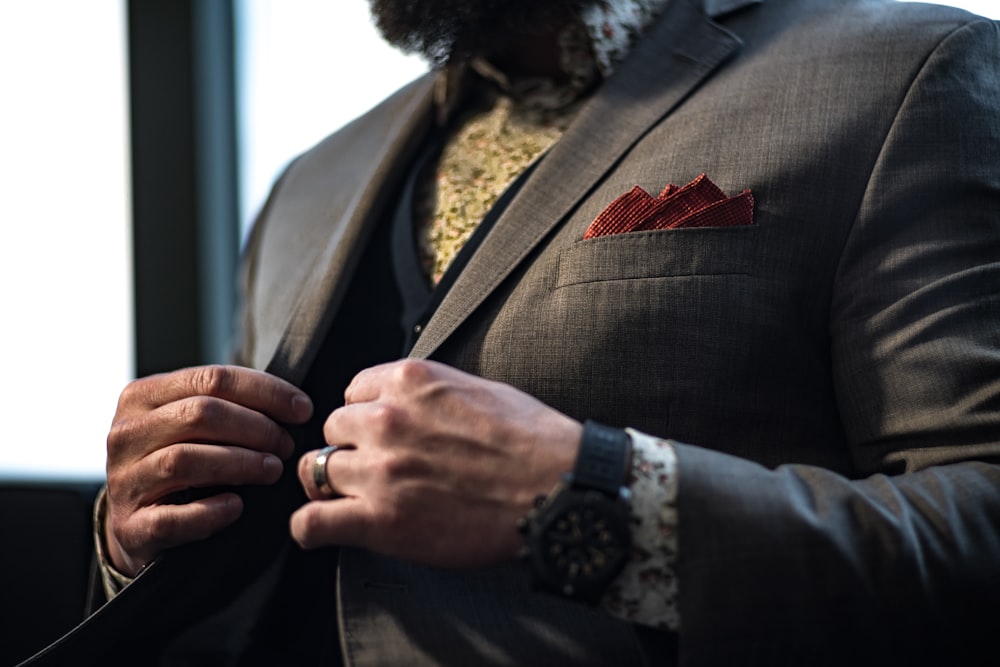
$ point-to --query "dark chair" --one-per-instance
(45, 560)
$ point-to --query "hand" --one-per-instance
(197, 427)
(444, 465)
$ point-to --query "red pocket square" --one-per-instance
(700, 203)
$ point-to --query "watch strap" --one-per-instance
(603, 459)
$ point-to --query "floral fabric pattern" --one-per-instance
(487, 152)
(477, 164)
(646, 590)
(615, 26)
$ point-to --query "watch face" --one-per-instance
(584, 543)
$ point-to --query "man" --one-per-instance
(801, 334)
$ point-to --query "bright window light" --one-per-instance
(306, 67)
(65, 255)
(987, 8)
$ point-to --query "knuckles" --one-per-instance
(410, 373)
(379, 422)
(385, 422)
(174, 462)
(212, 380)
(398, 377)
(426, 383)
(199, 412)
(121, 435)
(132, 393)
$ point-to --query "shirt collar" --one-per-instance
(614, 26)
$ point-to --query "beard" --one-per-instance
(443, 29)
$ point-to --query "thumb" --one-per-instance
(340, 522)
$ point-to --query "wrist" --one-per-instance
(112, 577)
(577, 538)
(114, 554)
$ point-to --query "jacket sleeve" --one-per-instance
(797, 565)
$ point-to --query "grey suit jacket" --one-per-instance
(834, 368)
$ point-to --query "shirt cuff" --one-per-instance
(646, 591)
(113, 580)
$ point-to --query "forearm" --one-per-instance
(803, 556)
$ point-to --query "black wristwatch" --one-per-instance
(577, 538)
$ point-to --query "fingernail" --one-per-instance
(302, 407)
(272, 465)
(232, 505)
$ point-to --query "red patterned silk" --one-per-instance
(700, 203)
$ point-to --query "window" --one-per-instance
(65, 254)
(300, 79)
(298, 82)
(986, 8)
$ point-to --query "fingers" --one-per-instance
(151, 530)
(394, 377)
(142, 521)
(250, 388)
(186, 465)
(200, 419)
(339, 469)
(366, 385)
(193, 428)
(307, 475)
(235, 406)
(344, 522)
(445, 463)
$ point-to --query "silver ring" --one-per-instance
(319, 470)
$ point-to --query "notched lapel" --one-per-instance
(717, 8)
(305, 267)
(682, 48)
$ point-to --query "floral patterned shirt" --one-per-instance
(490, 148)
(614, 26)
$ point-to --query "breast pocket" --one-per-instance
(707, 251)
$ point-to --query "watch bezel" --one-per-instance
(542, 531)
